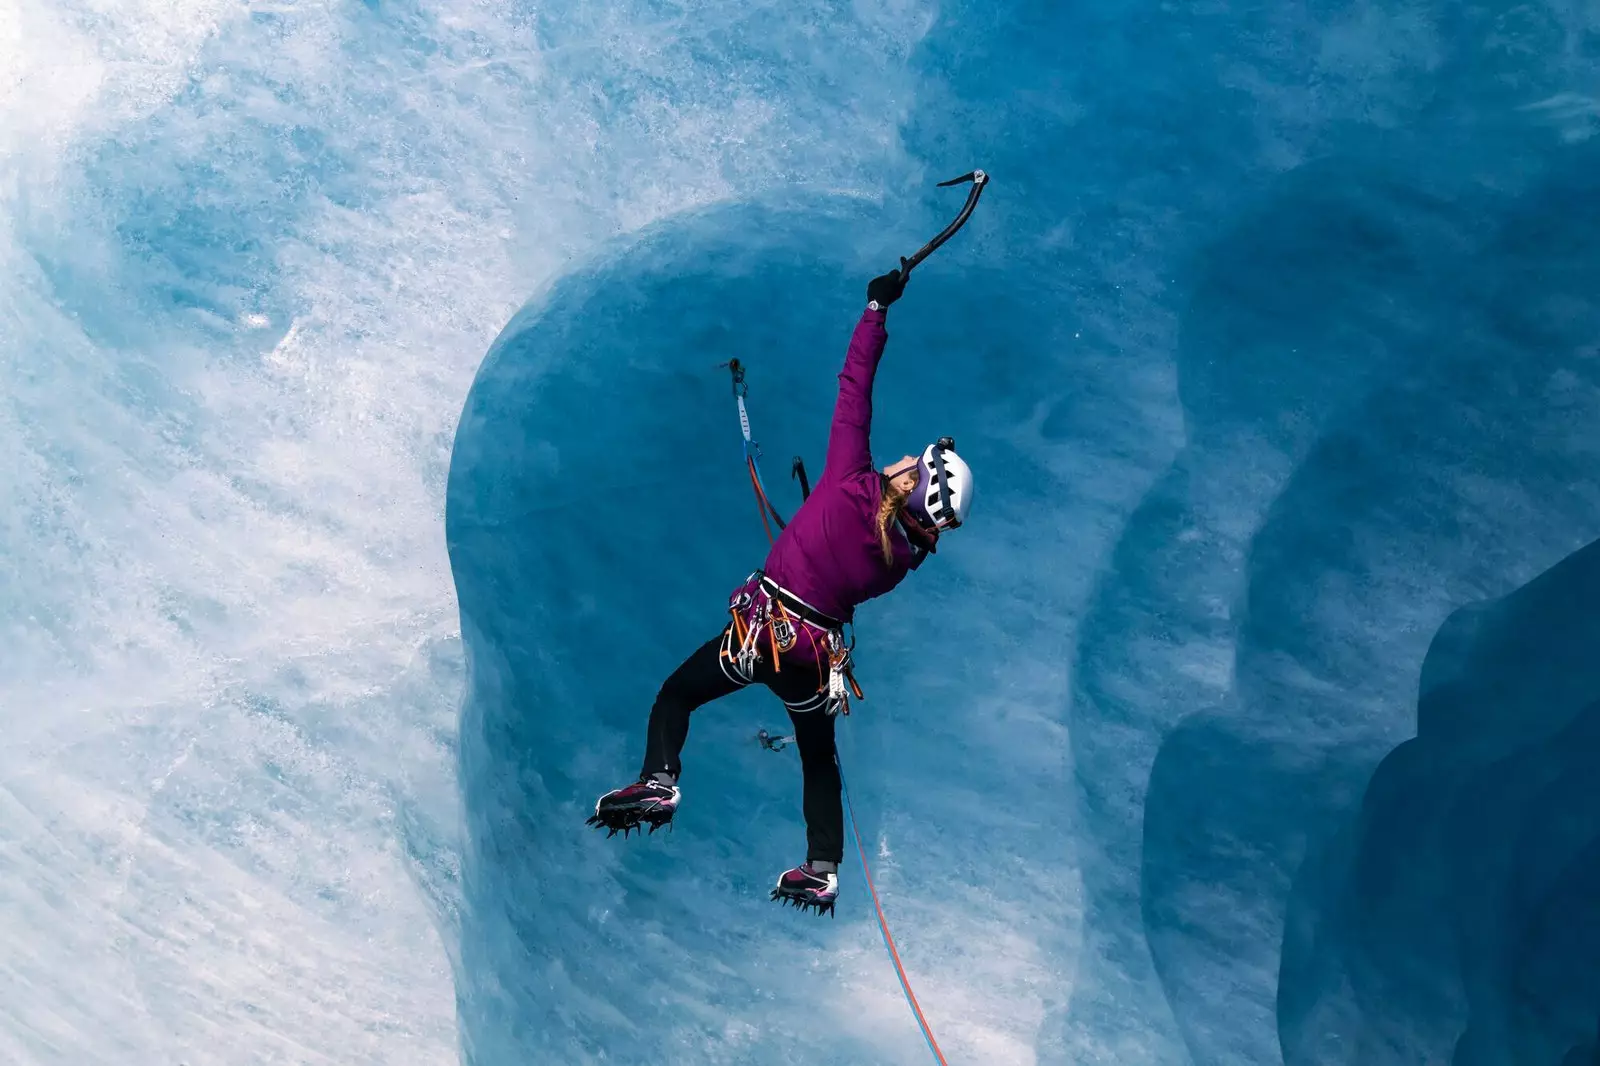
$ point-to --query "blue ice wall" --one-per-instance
(599, 494)
(1273, 345)
(1452, 917)
(1455, 471)
(1240, 726)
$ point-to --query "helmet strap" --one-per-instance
(943, 483)
(922, 538)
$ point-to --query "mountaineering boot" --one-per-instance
(809, 886)
(652, 801)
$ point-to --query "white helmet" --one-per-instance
(944, 486)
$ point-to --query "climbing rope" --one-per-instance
(883, 924)
(752, 452)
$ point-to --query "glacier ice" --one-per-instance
(1259, 718)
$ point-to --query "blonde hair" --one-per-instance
(888, 507)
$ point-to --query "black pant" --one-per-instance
(704, 676)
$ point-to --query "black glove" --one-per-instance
(886, 289)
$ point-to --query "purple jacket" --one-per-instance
(829, 555)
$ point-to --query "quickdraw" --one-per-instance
(752, 452)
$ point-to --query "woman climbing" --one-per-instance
(855, 538)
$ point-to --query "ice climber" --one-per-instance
(856, 537)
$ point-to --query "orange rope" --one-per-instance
(761, 497)
(883, 926)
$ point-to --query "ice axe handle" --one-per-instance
(979, 180)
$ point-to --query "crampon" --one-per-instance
(646, 803)
(808, 890)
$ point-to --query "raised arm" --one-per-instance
(849, 438)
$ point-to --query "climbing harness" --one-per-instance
(775, 609)
(762, 608)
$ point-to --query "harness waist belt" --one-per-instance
(798, 606)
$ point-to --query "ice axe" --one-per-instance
(979, 180)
